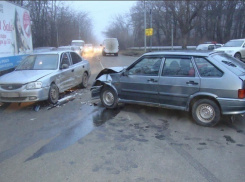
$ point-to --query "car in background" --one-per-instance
(97, 49)
(235, 48)
(110, 46)
(207, 84)
(43, 49)
(208, 46)
(43, 76)
(73, 48)
(88, 48)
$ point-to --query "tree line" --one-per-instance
(55, 23)
(192, 22)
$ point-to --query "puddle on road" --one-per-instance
(70, 136)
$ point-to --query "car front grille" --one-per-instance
(12, 98)
(11, 86)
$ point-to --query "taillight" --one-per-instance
(241, 93)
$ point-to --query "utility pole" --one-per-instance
(151, 26)
(144, 26)
(79, 31)
(172, 32)
(57, 35)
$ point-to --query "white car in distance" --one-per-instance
(235, 48)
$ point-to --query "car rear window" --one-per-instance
(233, 64)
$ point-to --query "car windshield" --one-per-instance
(77, 44)
(88, 45)
(236, 66)
(236, 43)
(39, 62)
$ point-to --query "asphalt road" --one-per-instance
(83, 141)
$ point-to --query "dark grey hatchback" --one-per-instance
(208, 84)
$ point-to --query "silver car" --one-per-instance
(42, 76)
(208, 84)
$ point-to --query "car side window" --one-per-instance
(180, 67)
(147, 66)
(206, 69)
(65, 59)
(210, 47)
(75, 58)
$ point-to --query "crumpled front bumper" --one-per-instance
(95, 91)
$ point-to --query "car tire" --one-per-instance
(206, 112)
(53, 95)
(84, 82)
(109, 98)
(238, 56)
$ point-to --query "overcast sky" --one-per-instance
(102, 12)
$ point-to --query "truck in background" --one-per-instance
(110, 46)
(15, 35)
(79, 43)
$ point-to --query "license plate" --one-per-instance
(10, 94)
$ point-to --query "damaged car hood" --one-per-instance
(24, 76)
(110, 70)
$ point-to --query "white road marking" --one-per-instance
(100, 62)
(128, 117)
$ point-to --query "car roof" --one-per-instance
(184, 53)
(53, 52)
(205, 44)
(237, 39)
(77, 41)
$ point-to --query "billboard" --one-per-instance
(15, 33)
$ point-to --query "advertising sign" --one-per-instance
(15, 33)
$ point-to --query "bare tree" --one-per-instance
(120, 29)
(185, 12)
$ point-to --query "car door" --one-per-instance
(243, 50)
(140, 83)
(66, 75)
(177, 82)
(78, 66)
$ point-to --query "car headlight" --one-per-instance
(33, 85)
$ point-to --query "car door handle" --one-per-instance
(72, 70)
(191, 83)
(152, 80)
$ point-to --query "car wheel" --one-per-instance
(53, 95)
(238, 56)
(109, 98)
(116, 54)
(206, 112)
(84, 82)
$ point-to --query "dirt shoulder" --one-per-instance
(135, 53)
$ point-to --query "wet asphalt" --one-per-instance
(80, 140)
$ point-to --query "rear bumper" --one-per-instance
(232, 106)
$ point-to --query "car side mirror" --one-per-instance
(64, 66)
(125, 73)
